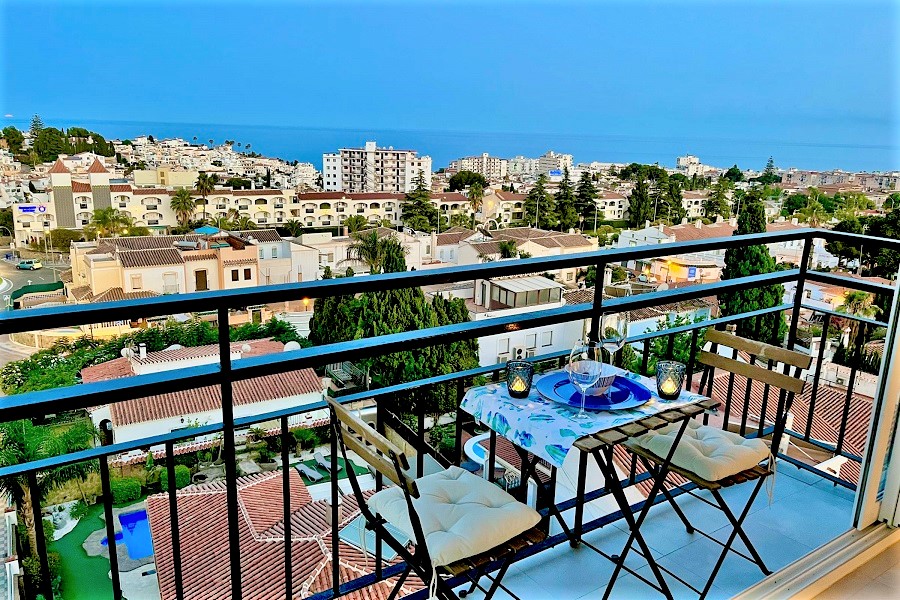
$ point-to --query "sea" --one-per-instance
(307, 144)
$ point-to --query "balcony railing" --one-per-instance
(226, 373)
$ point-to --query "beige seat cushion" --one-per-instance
(462, 514)
(711, 453)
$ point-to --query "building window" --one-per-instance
(547, 339)
(274, 252)
(246, 274)
(502, 345)
(531, 340)
(234, 275)
(262, 253)
(136, 282)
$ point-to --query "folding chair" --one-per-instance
(713, 458)
(460, 524)
(320, 460)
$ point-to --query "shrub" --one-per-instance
(306, 438)
(79, 510)
(204, 456)
(149, 462)
(265, 455)
(49, 529)
(32, 567)
(125, 489)
(182, 477)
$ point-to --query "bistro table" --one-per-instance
(540, 428)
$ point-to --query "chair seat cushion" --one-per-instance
(712, 454)
(462, 515)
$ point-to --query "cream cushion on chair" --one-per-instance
(462, 514)
(711, 453)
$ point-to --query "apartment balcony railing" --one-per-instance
(226, 373)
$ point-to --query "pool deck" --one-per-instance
(93, 547)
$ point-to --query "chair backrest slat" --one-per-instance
(754, 372)
(367, 443)
(759, 349)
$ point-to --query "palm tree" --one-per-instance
(476, 195)
(107, 222)
(210, 142)
(859, 304)
(244, 223)
(23, 442)
(814, 213)
(368, 250)
(354, 223)
(206, 184)
(183, 205)
(221, 222)
(293, 227)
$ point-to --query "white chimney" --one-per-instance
(142, 350)
(433, 243)
(698, 223)
(647, 224)
(684, 220)
(719, 219)
(794, 221)
(661, 227)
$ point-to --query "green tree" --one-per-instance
(540, 210)
(355, 223)
(716, 205)
(813, 213)
(106, 222)
(417, 212)
(61, 239)
(50, 142)
(843, 250)
(734, 174)
(748, 261)
(237, 183)
(640, 207)
(858, 304)
(508, 249)
(6, 221)
(892, 201)
(565, 203)
(476, 196)
(586, 197)
(794, 203)
(37, 125)
(293, 227)
(183, 204)
(14, 139)
(464, 179)
(670, 202)
(22, 442)
(205, 185)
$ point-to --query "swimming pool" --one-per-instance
(475, 451)
(135, 533)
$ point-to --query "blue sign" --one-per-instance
(556, 173)
(31, 208)
(692, 273)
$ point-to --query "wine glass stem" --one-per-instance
(609, 389)
(581, 412)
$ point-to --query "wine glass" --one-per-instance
(584, 368)
(613, 331)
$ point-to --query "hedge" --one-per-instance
(182, 477)
(125, 489)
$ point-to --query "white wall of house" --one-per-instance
(167, 279)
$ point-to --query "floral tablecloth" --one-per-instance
(546, 428)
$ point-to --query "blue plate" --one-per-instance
(624, 393)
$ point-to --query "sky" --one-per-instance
(820, 73)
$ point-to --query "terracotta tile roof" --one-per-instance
(81, 292)
(80, 186)
(202, 512)
(131, 259)
(66, 276)
(111, 369)
(148, 242)
(255, 192)
(202, 255)
(608, 195)
(694, 195)
(238, 262)
(453, 236)
(510, 196)
(493, 247)
(563, 240)
(117, 294)
(260, 235)
(204, 399)
(31, 302)
(151, 192)
(97, 167)
(346, 196)
(120, 187)
(58, 167)
(381, 232)
(523, 233)
(690, 231)
(585, 296)
(449, 197)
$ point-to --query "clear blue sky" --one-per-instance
(799, 72)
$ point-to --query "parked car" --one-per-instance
(30, 264)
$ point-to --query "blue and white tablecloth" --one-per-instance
(546, 428)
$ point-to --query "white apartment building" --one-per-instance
(491, 167)
(522, 166)
(334, 251)
(688, 165)
(552, 161)
(374, 169)
(611, 205)
(328, 209)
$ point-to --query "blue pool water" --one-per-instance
(135, 533)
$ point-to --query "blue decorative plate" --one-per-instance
(624, 393)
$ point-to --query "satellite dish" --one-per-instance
(246, 348)
(662, 287)
(127, 352)
(175, 347)
(291, 346)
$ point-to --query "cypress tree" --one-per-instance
(565, 203)
(640, 209)
(747, 261)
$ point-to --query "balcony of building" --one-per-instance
(826, 467)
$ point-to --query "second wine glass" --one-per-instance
(584, 368)
(613, 332)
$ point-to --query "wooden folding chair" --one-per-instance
(790, 385)
(491, 527)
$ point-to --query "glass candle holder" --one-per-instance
(518, 378)
(669, 379)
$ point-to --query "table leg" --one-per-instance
(579, 500)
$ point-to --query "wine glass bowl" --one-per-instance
(585, 369)
(613, 332)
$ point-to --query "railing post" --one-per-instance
(41, 550)
(173, 519)
(798, 294)
(826, 325)
(594, 334)
(286, 440)
(457, 442)
(225, 385)
(335, 507)
(105, 440)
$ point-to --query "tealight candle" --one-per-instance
(669, 379)
(518, 378)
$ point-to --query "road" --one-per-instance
(19, 278)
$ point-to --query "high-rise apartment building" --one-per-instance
(491, 167)
(374, 169)
(552, 161)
